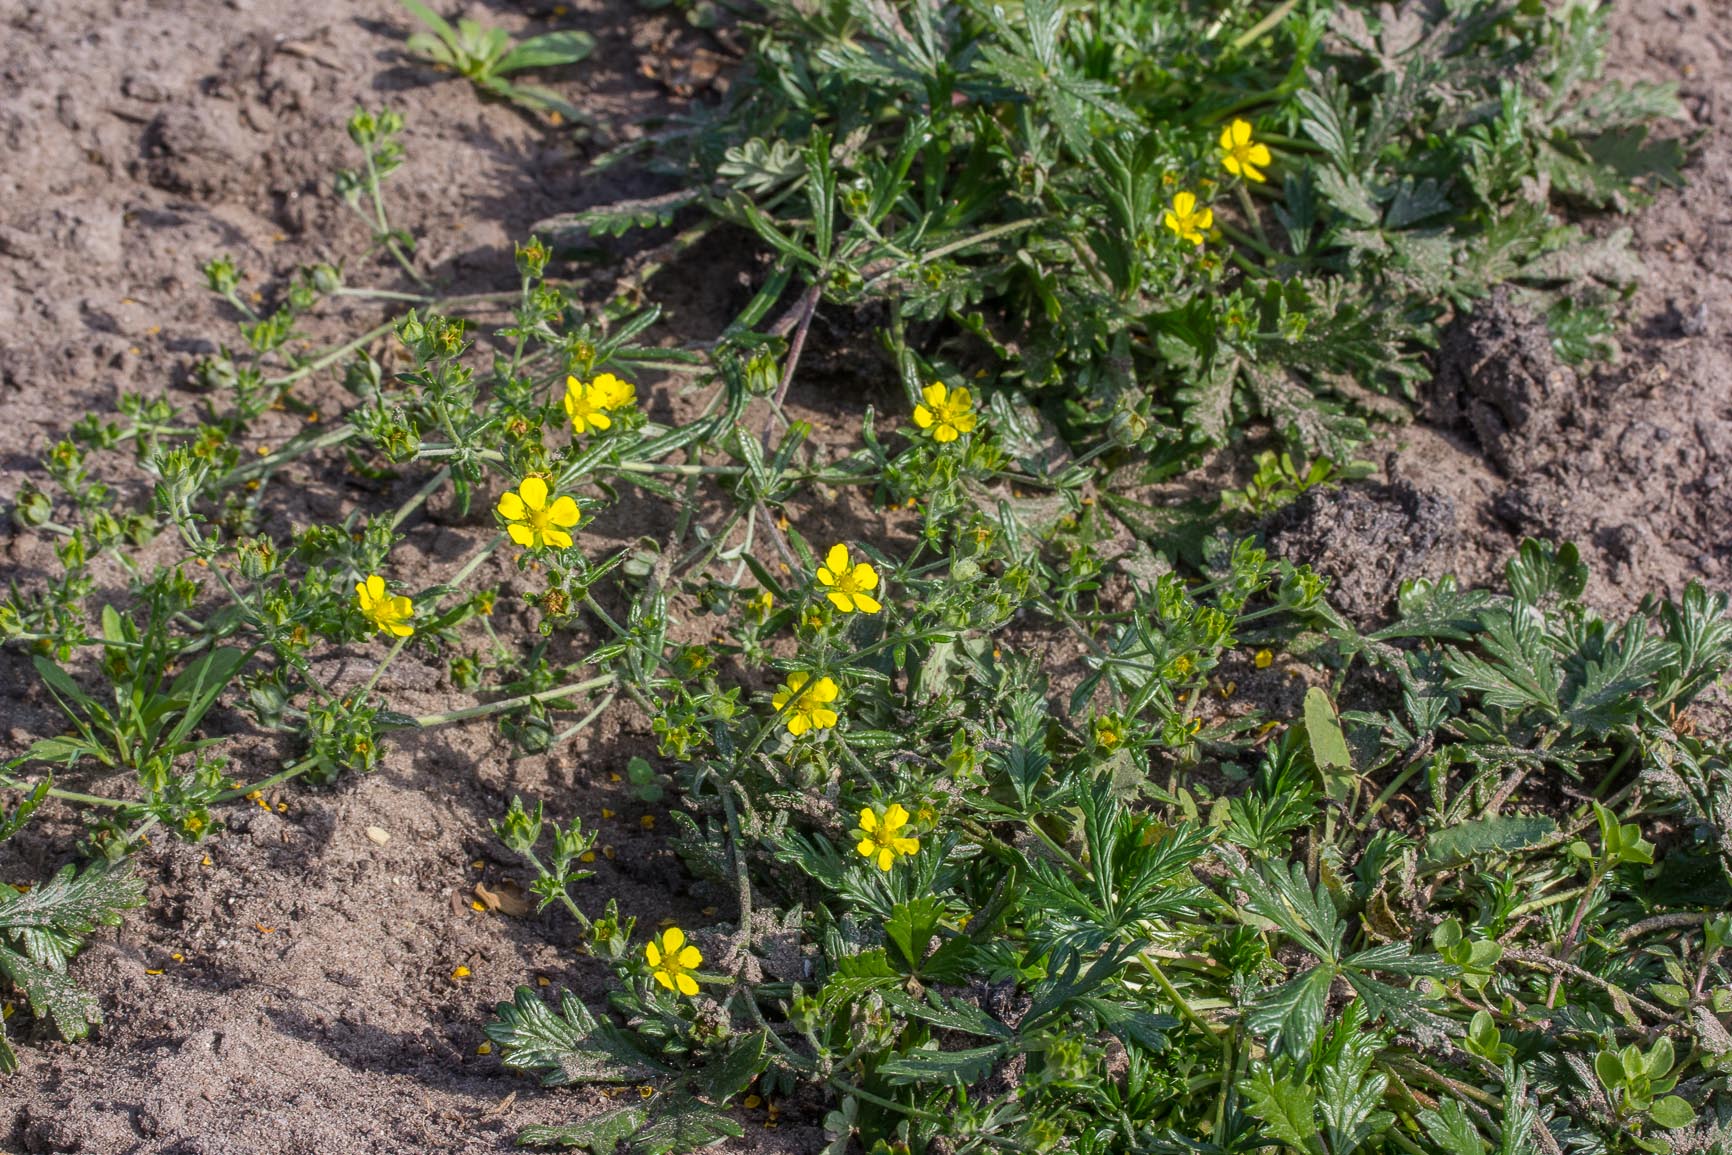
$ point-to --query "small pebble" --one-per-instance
(378, 834)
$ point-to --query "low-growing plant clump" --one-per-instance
(1244, 875)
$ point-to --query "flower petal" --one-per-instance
(564, 513)
(1184, 203)
(557, 538)
(689, 957)
(600, 420)
(824, 719)
(534, 493)
(521, 534)
(837, 559)
(923, 417)
(865, 577)
(946, 433)
(1259, 154)
(652, 954)
(866, 604)
(825, 577)
(885, 858)
(673, 938)
(934, 394)
(905, 845)
(511, 507)
(868, 819)
(375, 587)
(664, 980)
(896, 816)
(798, 724)
(825, 690)
(841, 601)
(688, 986)
(867, 848)
(1241, 132)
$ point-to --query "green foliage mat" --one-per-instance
(1244, 877)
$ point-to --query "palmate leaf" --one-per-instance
(1288, 1109)
(1609, 672)
(670, 1125)
(572, 1046)
(1293, 1013)
(1136, 873)
(681, 1123)
(42, 928)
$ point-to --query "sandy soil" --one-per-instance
(305, 1001)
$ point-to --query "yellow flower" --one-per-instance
(671, 960)
(1187, 220)
(612, 393)
(531, 521)
(949, 413)
(1243, 156)
(588, 403)
(878, 835)
(1264, 659)
(811, 710)
(848, 583)
(390, 614)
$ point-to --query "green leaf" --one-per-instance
(948, 1068)
(911, 926)
(1451, 1129)
(549, 50)
(1473, 840)
(735, 1070)
(572, 1046)
(1328, 745)
(600, 1134)
(680, 1123)
(1287, 1108)
(1672, 1112)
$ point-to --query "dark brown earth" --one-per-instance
(306, 1001)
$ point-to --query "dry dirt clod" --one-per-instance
(378, 834)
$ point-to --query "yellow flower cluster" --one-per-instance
(590, 403)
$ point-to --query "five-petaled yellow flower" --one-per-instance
(532, 521)
(671, 960)
(1243, 156)
(880, 838)
(390, 614)
(848, 583)
(588, 403)
(949, 413)
(1187, 220)
(811, 709)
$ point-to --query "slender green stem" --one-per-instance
(87, 799)
(486, 708)
(1265, 25)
